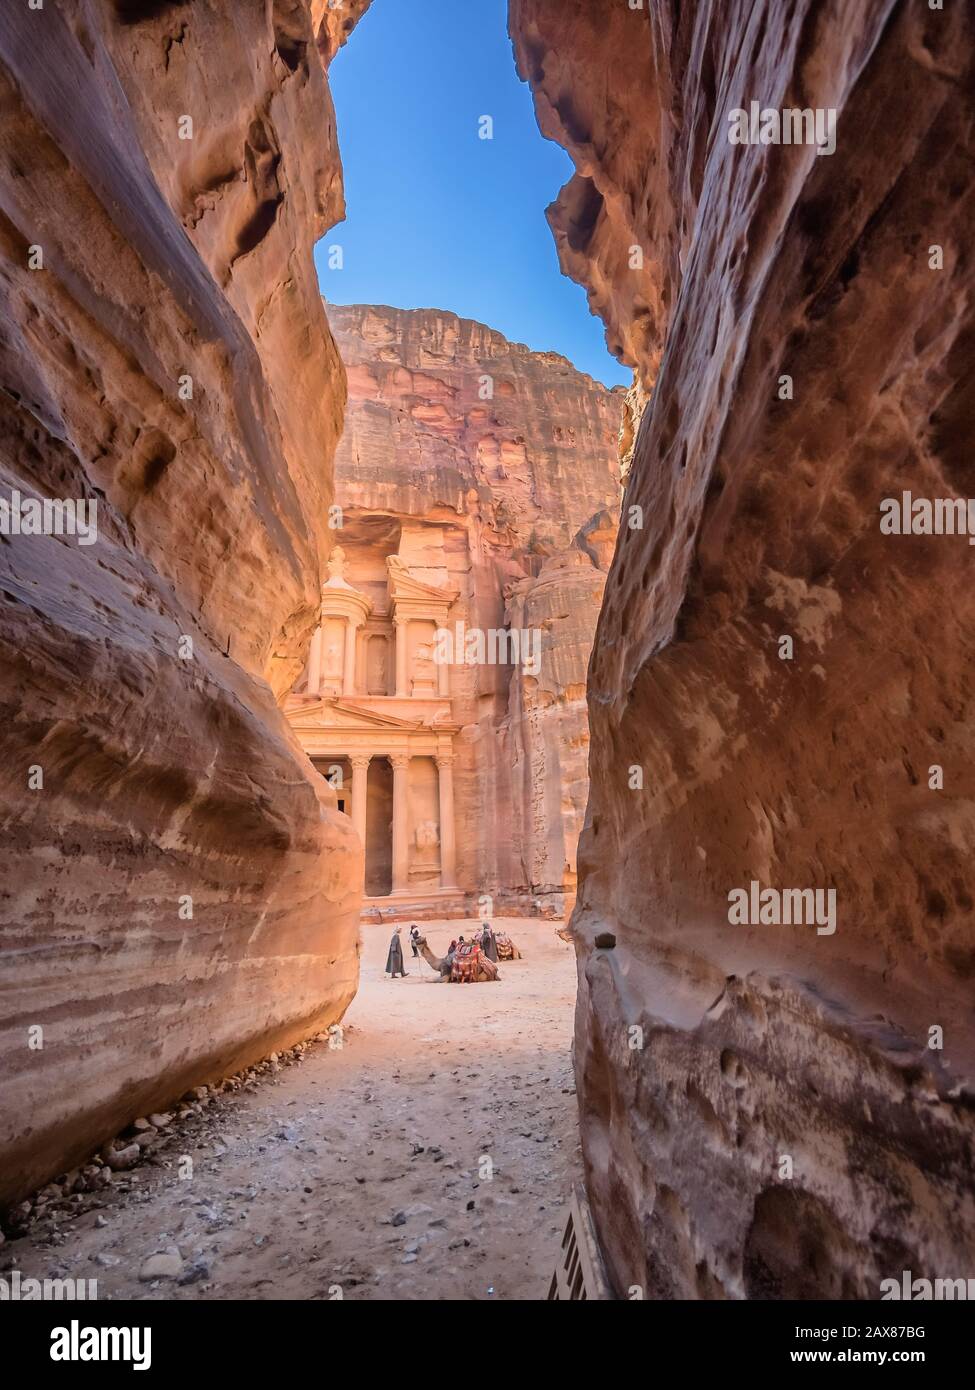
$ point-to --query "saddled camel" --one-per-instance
(486, 969)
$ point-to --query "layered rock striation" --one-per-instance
(490, 470)
(775, 1110)
(179, 890)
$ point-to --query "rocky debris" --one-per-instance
(805, 323)
(121, 1159)
(19, 1216)
(165, 1264)
(195, 1272)
(144, 1139)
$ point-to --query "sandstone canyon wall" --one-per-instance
(168, 358)
(491, 470)
(767, 1043)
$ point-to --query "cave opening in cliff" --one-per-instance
(268, 810)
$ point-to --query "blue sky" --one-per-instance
(438, 218)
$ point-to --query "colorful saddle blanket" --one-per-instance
(464, 969)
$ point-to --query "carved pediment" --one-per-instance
(405, 586)
(346, 714)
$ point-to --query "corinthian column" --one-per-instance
(315, 663)
(448, 844)
(348, 670)
(401, 820)
(402, 627)
(360, 784)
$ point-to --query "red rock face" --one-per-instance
(498, 455)
(169, 359)
(778, 1125)
(332, 23)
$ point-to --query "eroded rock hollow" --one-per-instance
(766, 1110)
(179, 890)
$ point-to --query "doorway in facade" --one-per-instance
(379, 828)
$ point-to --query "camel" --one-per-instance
(486, 969)
(507, 950)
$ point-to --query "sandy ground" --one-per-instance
(430, 1157)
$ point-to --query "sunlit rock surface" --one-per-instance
(769, 1049)
(170, 359)
(492, 470)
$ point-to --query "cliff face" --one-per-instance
(177, 886)
(483, 460)
(785, 1123)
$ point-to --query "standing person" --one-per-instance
(414, 933)
(489, 944)
(394, 961)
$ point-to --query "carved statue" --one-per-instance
(427, 834)
(378, 669)
(423, 662)
(424, 670)
(336, 563)
(334, 654)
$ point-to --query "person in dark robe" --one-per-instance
(489, 944)
(394, 961)
(414, 933)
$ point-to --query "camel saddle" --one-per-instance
(464, 969)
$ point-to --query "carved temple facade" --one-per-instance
(373, 712)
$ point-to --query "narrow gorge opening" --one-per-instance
(474, 512)
(299, 612)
